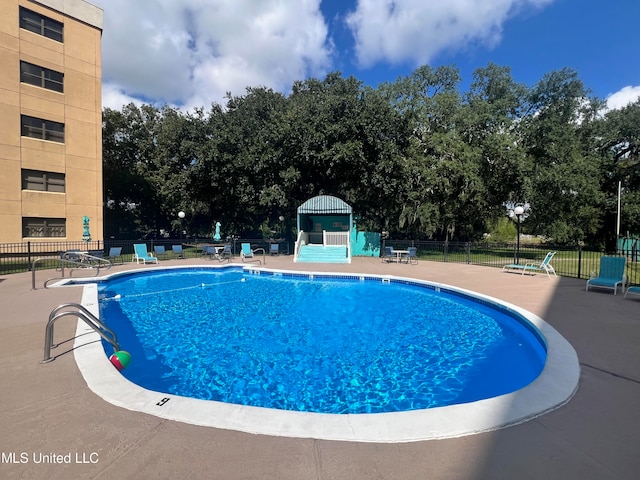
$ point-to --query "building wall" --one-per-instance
(79, 108)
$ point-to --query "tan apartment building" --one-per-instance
(50, 120)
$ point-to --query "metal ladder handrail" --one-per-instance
(64, 262)
(83, 314)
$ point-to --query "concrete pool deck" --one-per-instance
(53, 426)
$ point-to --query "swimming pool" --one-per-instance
(324, 344)
(552, 388)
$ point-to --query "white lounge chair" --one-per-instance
(533, 268)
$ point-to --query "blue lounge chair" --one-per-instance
(610, 275)
(72, 255)
(412, 256)
(389, 255)
(96, 253)
(544, 266)
(274, 249)
(115, 253)
(635, 290)
(209, 251)
(248, 254)
(226, 253)
(160, 251)
(219, 253)
(141, 254)
(178, 251)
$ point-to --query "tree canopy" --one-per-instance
(416, 157)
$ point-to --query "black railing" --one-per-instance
(569, 261)
(19, 257)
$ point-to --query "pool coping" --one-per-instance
(554, 387)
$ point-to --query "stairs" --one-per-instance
(322, 254)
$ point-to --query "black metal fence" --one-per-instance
(19, 257)
(569, 261)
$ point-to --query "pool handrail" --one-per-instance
(83, 314)
(103, 263)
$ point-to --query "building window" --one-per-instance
(42, 181)
(44, 227)
(43, 129)
(36, 23)
(41, 77)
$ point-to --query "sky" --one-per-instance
(191, 53)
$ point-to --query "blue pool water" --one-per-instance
(318, 345)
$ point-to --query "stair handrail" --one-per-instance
(303, 237)
(83, 314)
(63, 261)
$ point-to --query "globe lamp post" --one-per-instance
(518, 212)
(181, 217)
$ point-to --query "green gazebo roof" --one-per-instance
(325, 204)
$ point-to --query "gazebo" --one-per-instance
(324, 221)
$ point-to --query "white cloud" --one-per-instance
(190, 53)
(398, 31)
(623, 97)
(114, 97)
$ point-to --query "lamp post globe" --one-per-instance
(181, 216)
(518, 211)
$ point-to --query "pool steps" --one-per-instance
(323, 254)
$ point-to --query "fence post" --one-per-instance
(446, 250)
(579, 261)
(29, 255)
(468, 249)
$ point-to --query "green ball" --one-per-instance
(120, 359)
